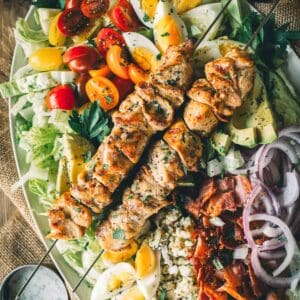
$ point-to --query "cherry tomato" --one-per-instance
(124, 17)
(94, 8)
(108, 37)
(103, 71)
(61, 97)
(136, 74)
(80, 82)
(73, 4)
(81, 58)
(125, 87)
(116, 61)
(72, 22)
(104, 91)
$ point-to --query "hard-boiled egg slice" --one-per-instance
(145, 10)
(133, 293)
(142, 50)
(200, 18)
(169, 29)
(147, 264)
(113, 281)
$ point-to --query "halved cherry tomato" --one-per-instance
(103, 71)
(124, 17)
(73, 4)
(80, 82)
(61, 97)
(81, 58)
(125, 87)
(104, 91)
(72, 22)
(108, 37)
(136, 74)
(94, 8)
(116, 61)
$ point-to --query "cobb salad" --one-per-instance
(209, 209)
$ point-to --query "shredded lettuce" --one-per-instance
(43, 190)
(29, 39)
(46, 16)
(21, 126)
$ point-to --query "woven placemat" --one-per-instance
(19, 244)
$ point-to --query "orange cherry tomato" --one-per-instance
(103, 71)
(116, 61)
(136, 74)
(104, 91)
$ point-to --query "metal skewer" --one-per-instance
(199, 41)
(262, 24)
(34, 271)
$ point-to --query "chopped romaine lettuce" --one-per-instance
(29, 39)
(21, 126)
(46, 16)
(43, 190)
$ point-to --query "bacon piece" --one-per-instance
(255, 284)
(242, 188)
(220, 202)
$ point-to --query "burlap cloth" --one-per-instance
(18, 241)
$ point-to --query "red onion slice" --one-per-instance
(288, 130)
(291, 191)
(290, 243)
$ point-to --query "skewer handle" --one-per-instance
(34, 271)
(262, 24)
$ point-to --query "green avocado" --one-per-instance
(221, 142)
(253, 123)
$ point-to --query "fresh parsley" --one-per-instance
(270, 45)
(93, 124)
(119, 234)
(163, 294)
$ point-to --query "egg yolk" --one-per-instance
(132, 294)
(120, 280)
(149, 7)
(144, 58)
(145, 261)
(121, 255)
(167, 33)
(184, 5)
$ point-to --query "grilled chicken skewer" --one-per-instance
(229, 80)
(148, 110)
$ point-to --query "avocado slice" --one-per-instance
(221, 142)
(253, 123)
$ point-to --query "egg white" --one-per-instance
(136, 4)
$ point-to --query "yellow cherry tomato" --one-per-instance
(104, 91)
(136, 74)
(55, 36)
(46, 59)
(103, 71)
(116, 61)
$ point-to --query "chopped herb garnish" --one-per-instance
(87, 156)
(163, 294)
(92, 43)
(217, 263)
(108, 99)
(165, 34)
(119, 234)
(146, 18)
(158, 56)
(105, 167)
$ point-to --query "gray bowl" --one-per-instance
(45, 285)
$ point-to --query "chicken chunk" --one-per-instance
(199, 117)
(157, 111)
(109, 166)
(91, 193)
(187, 145)
(165, 165)
(202, 91)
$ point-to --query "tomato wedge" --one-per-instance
(108, 37)
(61, 97)
(104, 91)
(124, 17)
(73, 4)
(116, 61)
(136, 74)
(72, 22)
(94, 8)
(81, 58)
(124, 86)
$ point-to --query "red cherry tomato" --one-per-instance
(61, 97)
(124, 17)
(81, 58)
(124, 86)
(73, 4)
(94, 8)
(108, 37)
(72, 22)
